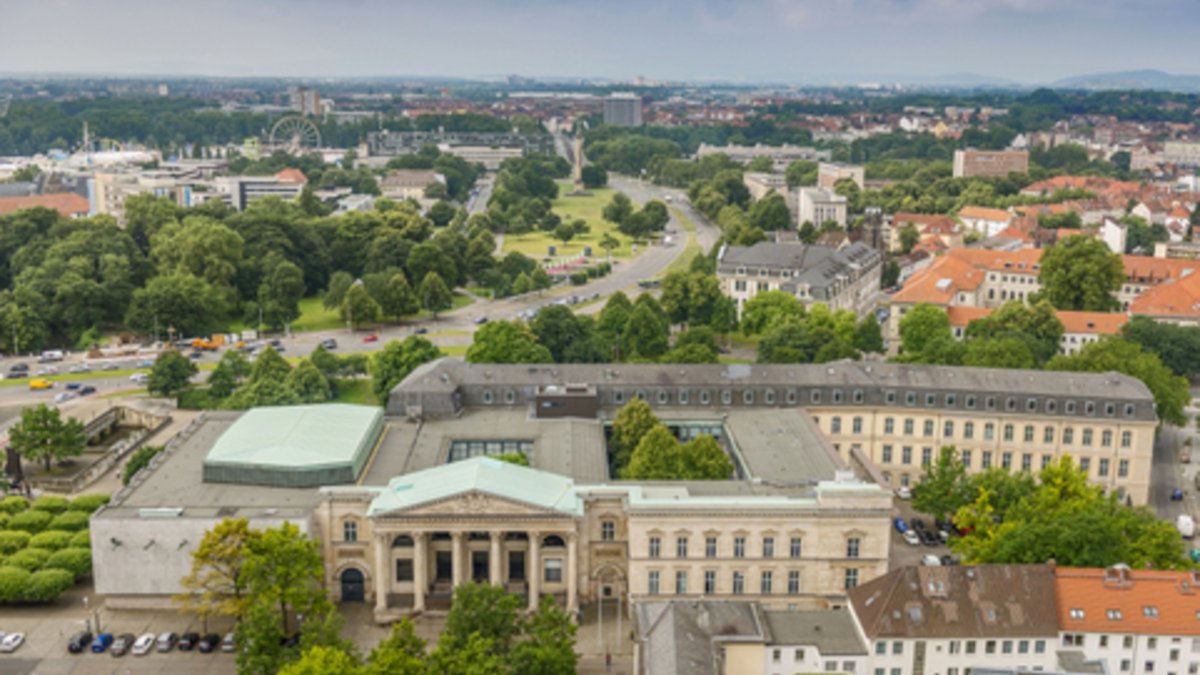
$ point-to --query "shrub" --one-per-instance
(579, 278)
(71, 521)
(30, 521)
(81, 539)
(77, 561)
(50, 504)
(13, 541)
(51, 540)
(89, 503)
(28, 558)
(13, 581)
(139, 460)
(14, 504)
(4, 520)
(47, 585)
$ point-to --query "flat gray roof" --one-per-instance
(830, 630)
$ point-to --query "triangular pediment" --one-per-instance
(472, 503)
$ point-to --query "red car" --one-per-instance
(371, 338)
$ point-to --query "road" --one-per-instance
(451, 328)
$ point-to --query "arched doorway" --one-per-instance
(352, 585)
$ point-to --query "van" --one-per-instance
(1186, 526)
(52, 355)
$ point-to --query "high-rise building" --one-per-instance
(304, 100)
(623, 109)
(997, 163)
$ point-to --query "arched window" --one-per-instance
(402, 541)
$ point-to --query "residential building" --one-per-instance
(1174, 301)
(1114, 234)
(1079, 328)
(109, 190)
(623, 109)
(846, 278)
(762, 184)
(819, 206)
(490, 156)
(241, 191)
(305, 101)
(985, 221)
(945, 228)
(997, 163)
(393, 143)
(781, 155)
(829, 173)
(1181, 153)
(401, 184)
(68, 204)
(811, 641)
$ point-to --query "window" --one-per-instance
(835, 425)
(889, 397)
(1106, 438)
(968, 430)
(739, 583)
(1010, 404)
(897, 647)
(948, 429)
(553, 570)
(856, 425)
(910, 398)
(815, 397)
(681, 544)
(764, 585)
(1102, 469)
(851, 579)
(927, 428)
(1008, 432)
(653, 582)
(889, 425)
(950, 400)
(1089, 408)
(404, 569)
(768, 547)
(837, 396)
(1126, 439)
(1114, 614)
(748, 397)
(1031, 405)
(906, 455)
(608, 531)
(705, 397)
(487, 397)
(1085, 463)
(1051, 406)
(955, 646)
(776, 655)
(1068, 436)
(881, 647)
(1129, 410)
(966, 458)
(794, 582)
(986, 461)
(989, 431)
(857, 396)
(930, 400)
(908, 426)
(1069, 407)
(971, 402)
(1006, 647)
(795, 547)
(1150, 611)
(1123, 468)
(886, 457)
(681, 583)
(710, 582)
(663, 396)
(726, 396)
(739, 547)
(970, 646)
(1027, 462)
(989, 647)
(683, 397)
(1048, 435)
(1006, 460)
(655, 547)
(710, 547)
(350, 531)
(926, 456)
(1028, 433)
(1110, 409)
(852, 545)
(1023, 647)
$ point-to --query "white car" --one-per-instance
(143, 645)
(903, 493)
(64, 396)
(931, 561)
(911, 537)
(139, 378)
(11, 642)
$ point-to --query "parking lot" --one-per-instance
(904, 553)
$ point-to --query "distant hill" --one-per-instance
(1132, 79)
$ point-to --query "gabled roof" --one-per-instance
(830, 630)
(1178, 297)
(290, 175)
(938, 283)
(486, 475)
(679, 636)
(1099, 323)
(984, 213)
(68, 204)
(922, 220)
(1121, 600)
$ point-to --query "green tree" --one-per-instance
(215, 586)
(922, 325)
(594, 177)
(608, 243)
(610, 325)
(323, 661)
(310, 384)
(808, 233)
(868, 336)
(909, 237)
(770, 213)
(400, 653)
(1006, 352)
(139, 460)
(280, 292)
(549, 645)
(659, 456)
(482, 610)
(1080, 273)
(1036, 325)
(229, 373)
(184, 302)
(646, 333)
(1178, 347)
(42, 435)
(358, 307)
(618, 210)
(506, 342)
(1111, 353)
(768, 309)
(171, 374)
(632, 422)
(434, 294)
(269, 366)
(284, 570)
(397, 359)
(943, 488)
(339, 283)
(570, 337)
(564, 232)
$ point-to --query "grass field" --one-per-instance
(355, 390)
(535, 244)
(314, 316)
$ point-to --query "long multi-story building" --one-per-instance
(819, 206)
(994, 163)
(829, 173)
(846, 278)
(623, 109)
(781, 155)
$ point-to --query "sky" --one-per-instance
(799, 41)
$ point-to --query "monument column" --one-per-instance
(534, 571)
(456, 557)
(420, 565)
(572, 573)
(494, 560)
(381, 573)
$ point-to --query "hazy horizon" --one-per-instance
(1024, 41)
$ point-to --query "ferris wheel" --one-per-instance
(295, 134)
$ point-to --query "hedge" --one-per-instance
(13, 541)
(46, 585)
(51, 540)
(28, 558)
(89, 503)
(50, 504)
(71, 521)
(13, 582)
(4, 519)
(77, 561)
(31, 521)
(14, 504)
(81, 539)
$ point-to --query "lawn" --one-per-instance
(314, 316)
(356, 390)
(535, 244)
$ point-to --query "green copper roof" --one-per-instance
(295, 446)
(482, 474)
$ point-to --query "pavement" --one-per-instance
(902, 553)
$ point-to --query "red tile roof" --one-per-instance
(291, 175)
(938, 283)
(68, 204)
(1178, 297)
(983, 213)
(1143, 269)
(922, 220)
(1098, 323)
(1145, 602)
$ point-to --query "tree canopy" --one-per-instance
(1080, 273)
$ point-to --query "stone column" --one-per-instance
(572, 573)
(382, 575)
(420, 569)
(494, 560)
(456, 565)
(533, 570)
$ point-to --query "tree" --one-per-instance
(400, 653)
(506, 342)
(612, 321)
(269, 366)
(632, 422)
(229, 373)
(646, 333)
(358, 307)
(594, 177)
(280, 292)
(660, 456)
(171, 374)
(435, 295)
(215, 586)
(608, 243)
(1178, 347)
(399, 299)
(770, 213)
(1006, 352)
(139, 460)
(909, 236)
(339, 283)
(1111, 353)
(618, 210)
(323, 661)
(1036, 325)
(808, 233)
(921, 326)
(942, 490)
(564, 233)
(868, 337)
(309, 384)
(440, 214)
(1080, 273)
(185, 302)
(768, 309)
(549, 645)
(485, 611)
(284, 569)
(43, 436)
(397, 360)
(570, 338)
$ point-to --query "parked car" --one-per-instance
(18, 368)
(144, 363)
(228, 643)
(79, 642)
(948, 560)
(903, 493)
(479, 321)
(108, 366)
(79, 368)
(420, 330)
(47, 370)
(123, 644)
(1194, 554)
(928, 538)
(102, 642)
(51, 355)
(208, 644)
(188, 641)
(87, 389)
(1186, 526)
(11, 642)
(73, 386)
(40, 384)
(1177, 495)
(139, 378)
(900, 525)
(64, 396)
(931, 561)
(166, 641)
(911, 537)
(329, 343)
(918, 524)
(371, 338)
(143, 644)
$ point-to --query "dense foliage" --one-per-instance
(47, 549)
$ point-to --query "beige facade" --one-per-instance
(829, 173)
(998, 163)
